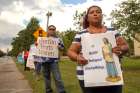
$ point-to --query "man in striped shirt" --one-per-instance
(50, 65)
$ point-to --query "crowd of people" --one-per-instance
(92, 24)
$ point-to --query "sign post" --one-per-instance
(38, 31)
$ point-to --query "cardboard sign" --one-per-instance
(48, 47)
(30, 60)
(103, 68)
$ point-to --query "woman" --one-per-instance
(93, 24)
(38, 64)
(26, 53)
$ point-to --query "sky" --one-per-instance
(15, 14)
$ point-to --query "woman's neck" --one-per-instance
(96, 28)
(96, 25)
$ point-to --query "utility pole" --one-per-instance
(48, 16)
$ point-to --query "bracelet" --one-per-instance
(77, 58)
(78, 62)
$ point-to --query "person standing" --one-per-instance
(50, 65)
(92, 24)
(26, 53)
(37, 64)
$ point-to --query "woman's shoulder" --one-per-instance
(114, 31)
(82, 32)
(110, 29)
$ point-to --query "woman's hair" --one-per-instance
(51, 26)
(85, 19)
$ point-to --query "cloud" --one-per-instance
(14, 14)
(73, 1)
(18, 11)
(29, 3)
(5, 41)
(4, 3)
(22, 10)
(7, 32)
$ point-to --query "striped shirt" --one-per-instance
(46, 59)
(77, 39)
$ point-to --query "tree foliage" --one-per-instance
(67, 37)
(126, 18)
(2, 53)
(25, 37)
(78, 18)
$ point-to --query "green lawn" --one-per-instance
(131, 71)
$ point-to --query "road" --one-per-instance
(10, 78)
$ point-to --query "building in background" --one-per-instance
(137, 46)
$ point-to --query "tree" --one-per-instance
(2, 53)
(78, 18)
(126, 18)
(25, 37)
(67, 37)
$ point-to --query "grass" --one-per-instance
(68, 73)
(131, 72)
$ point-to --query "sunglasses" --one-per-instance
(51, 29)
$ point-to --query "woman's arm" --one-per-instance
(74, 54)
(73, 51)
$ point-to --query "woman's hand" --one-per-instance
(117, 50)
(122, 46)
(81, 60)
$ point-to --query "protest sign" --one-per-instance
(30, 60)
(47, 47)
(103, 68)
(20, 59)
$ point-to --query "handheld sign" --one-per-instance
(103, 68)
(30, 60)
(47, 47)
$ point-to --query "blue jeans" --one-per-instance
(37, 67)
(52, 67)
(103, 89)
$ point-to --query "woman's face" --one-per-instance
(94, 15)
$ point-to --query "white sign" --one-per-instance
(30, 60)
(48, 47)
(103, 68)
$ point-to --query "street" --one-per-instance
(10, 78)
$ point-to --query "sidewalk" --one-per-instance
(10, 78)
